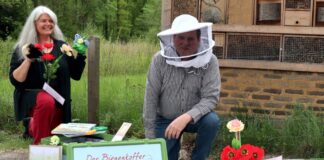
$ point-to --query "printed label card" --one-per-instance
(53, 93)
(121, 132)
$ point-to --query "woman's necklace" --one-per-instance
(47, 46)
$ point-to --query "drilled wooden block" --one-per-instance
(184, 7)
(298, 18)
(303, 49)
(298, 4)
(253, 47)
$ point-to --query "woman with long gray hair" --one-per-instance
(41, 41)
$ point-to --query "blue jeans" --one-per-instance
(206, 129)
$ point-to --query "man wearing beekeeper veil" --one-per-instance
(182, 88)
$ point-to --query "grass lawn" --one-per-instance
(120, 95)
(121, 100)
(12, 141)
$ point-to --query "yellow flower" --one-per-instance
(25, 50)
(235, 125)
(55, 140)
(80, 41)
(66, 49)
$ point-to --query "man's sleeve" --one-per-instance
(210, 91)
(151, 98)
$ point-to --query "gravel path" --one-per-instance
(14, 155)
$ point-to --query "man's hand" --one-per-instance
(175, 128)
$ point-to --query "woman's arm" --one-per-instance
(20, 73)
(76, 66)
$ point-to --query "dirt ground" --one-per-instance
(14, 155)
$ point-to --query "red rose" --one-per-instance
(38, 46)
(257, 153)
(48, 57)
(229, 153)
(48, 45)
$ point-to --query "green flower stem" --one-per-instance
(236, 142)
(51, 68)
(238, 136)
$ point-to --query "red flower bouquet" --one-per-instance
(51, 63)
(238, 151)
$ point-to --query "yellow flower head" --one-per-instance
(25, 50)
(235, 125)
(80, 40)
(66, 49)
(55, 140)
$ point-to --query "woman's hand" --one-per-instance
(31, 52)
(80, 44)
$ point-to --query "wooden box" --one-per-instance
(213, 11)
(219, 48)
(184, 7)
(253, 46)
(318, 19)
(303, 49)
(240, 12)
(298, 18)
(298, 12)
(268, 12)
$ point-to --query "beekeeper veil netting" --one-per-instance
(181, 24)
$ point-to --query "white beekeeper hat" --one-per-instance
(181, 24)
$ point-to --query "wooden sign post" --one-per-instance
(93, 79)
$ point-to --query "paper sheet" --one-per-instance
(53, 93)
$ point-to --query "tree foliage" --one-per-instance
(148, 23)
(112, 19)
(12, 18)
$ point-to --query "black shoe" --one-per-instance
(26, 134)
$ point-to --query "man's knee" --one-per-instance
(211, 120)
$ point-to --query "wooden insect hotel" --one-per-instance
(271, 52)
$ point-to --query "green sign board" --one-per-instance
(142, 149)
